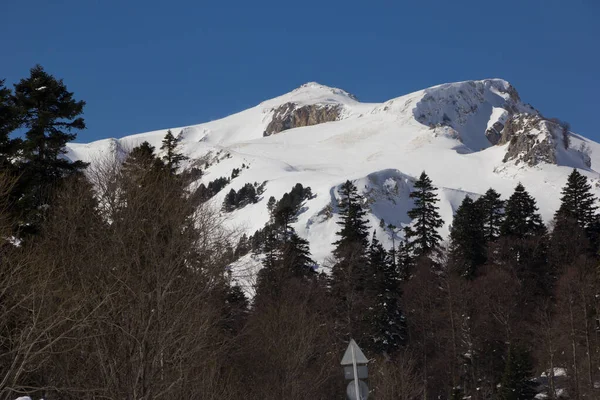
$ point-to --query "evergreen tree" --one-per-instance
(578, 202)
(246, 195)
(285, 211)
(522, 218)
(296, 257)
(350, 271)
(229, 203)
(516, 381)
(51, 118)
(271, 205)
(467, 239)
(172, 158)
(422, 235)
(354, 229)
(492, 210)
(405, 261)
(388, 322)
(236, 309)
(9, 121)
(141, 163)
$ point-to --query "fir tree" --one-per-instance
(350, 272)
(354, 229)
(271, 205)
(171, 158)
(492, 210)
(405, 261)
(51, 118)
(229, 203)
(522, 218)
(141, 163)
(467, 239)
(388, 322)
(516, 381)
(578, 202)
(9, 121)
(296, 257)
(422, 235)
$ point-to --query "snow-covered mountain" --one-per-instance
(467, 136)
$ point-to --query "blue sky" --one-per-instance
(146, 65)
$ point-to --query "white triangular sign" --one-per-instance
(359, 356)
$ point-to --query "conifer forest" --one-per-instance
(115, 282)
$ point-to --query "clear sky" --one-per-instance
(146, 65)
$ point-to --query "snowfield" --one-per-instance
(381, 147)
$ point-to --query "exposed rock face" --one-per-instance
(532, 139)
(289, 115)
(494, 133)
(465, 107)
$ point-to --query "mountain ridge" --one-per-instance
(459, 133)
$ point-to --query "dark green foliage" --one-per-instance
(236, 309)
(235, 173)
(492, 210)
(229, 203)
(172, 158)
(284, 212)
(388, 322)
(234, 200)
(142, 160)
(9, 121)
(467, 239)
(405, 261)
(246, 195)
(350, 273)
(422, 235)
(243, 247)
(286, 257)
(295, 256)
(51, 118)
(271, 205)
(516, 381)
(204, 193)
(578, 204)
(521, 216)
(354, 229)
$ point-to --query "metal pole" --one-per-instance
(355, 370)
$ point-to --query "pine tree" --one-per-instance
(516, 381)
(492, 209)
(422, 235)
(172, 158)
(522, 218)
(578, 202)
(51, 118)
(467, 239)
(388, 322)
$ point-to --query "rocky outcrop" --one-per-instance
(290, 115)
(494, 133)
(531, 139)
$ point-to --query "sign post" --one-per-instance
(355, 367)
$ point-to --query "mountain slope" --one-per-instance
(468, 136)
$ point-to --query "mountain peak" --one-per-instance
(314, 93)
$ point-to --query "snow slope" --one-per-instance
(381, 147)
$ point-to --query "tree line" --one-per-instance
(115, 283)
